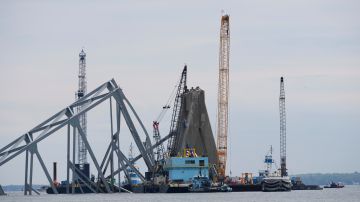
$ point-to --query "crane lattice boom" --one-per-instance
(174, 129)
(81, 148)
(282, 129)
(160, 150)
(223, 94)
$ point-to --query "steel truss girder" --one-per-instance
(145, 151)
(87, 145)
(68, 116)
(140, 155)
(28, 184)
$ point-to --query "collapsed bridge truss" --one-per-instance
(69, 117)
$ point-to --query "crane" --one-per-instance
(81, 148)
(223, 95)
(160, 150)
(174, 129)
(282, 129)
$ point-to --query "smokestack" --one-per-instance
(54, 173)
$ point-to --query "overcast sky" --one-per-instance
(143, 45)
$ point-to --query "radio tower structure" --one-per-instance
(81, 149)
(282, 129)
(223, 95)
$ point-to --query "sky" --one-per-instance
(143, 45)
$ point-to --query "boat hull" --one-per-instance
(276, 184)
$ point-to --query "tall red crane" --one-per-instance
(223, 95)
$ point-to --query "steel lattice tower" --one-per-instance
(82, 153)
(282, 129)
(174, 127)
(223, 94)
(160, 150)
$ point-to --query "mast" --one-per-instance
(282, 129)
(223, 95)
(82, 153)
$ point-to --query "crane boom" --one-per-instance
(174, 129)
(223, 95)
(81, 148)
(282, 129)
(156, 135)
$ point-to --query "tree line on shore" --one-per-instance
(324, 179)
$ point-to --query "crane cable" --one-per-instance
(166, 106)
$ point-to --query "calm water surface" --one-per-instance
(349, 193)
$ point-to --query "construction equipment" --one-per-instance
(156, 135)
(269, 161)
(282, 129)
(174, 129)
(160, 150)
(69, 118)
(223, 95)
(81, 148)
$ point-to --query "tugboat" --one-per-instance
(273, 181)
(134, 182)
(200, 184)
(334, 185)
(267, 181)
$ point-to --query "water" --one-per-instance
(349, 193)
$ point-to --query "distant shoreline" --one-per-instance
(326, 178)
